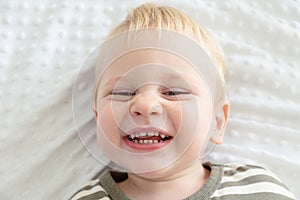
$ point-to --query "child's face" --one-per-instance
(152, 101)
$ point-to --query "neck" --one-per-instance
(178, 185)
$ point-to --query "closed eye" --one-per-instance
(172, 93)
(175, 92)
(123, 93)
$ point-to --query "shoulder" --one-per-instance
(244, 181)
(90, 191)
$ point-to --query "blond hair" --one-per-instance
(151, 15)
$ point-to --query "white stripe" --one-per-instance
(228, 168)
(254, 188)
(250, 172)
(105, 198)
(92, 182)
(234, 166)
(88, 192)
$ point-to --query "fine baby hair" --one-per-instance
(151, 15)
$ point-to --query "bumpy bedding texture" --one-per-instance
(44, 43)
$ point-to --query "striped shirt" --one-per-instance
(226, 182)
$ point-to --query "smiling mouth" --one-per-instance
(148, 138)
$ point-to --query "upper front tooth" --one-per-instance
(156, 134)
(162, 136)
(142, 134)
(150, 134)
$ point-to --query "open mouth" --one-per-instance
(148, 138)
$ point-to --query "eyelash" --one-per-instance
(124, 93)
(174, 93)
(169, 93)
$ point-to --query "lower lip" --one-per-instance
(149, 147)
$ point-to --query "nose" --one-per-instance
(146, 105)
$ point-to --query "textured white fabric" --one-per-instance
(43, 44)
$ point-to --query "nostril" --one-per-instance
(156, 109)
(136, 113)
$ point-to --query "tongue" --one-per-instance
(150, 138)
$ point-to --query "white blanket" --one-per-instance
(43, 44)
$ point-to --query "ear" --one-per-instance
(221, 123)
(95, 113)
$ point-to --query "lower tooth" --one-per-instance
(147, 141)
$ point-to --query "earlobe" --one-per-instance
(221, 123)
(95, 113)
(218, 140)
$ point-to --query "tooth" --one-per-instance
(162, 136)
(145, 141)
(136, 141)
(142, 134)
(141, 141)
(132, 136)
(150, 134)
(156, 134)
(155, 141)
(150, 141)
(160, 140)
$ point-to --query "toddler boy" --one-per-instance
(160, 106)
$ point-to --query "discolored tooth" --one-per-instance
(156, 134)
(141, 141)
(136, 141)
(155, 141)
(132, 136)
(160, 140)
(162, 136)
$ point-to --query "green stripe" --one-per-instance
(240, 169)
(96, 195)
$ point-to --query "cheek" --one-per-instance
(205, 111)
(186, 116)
(175, 114)
(195, 124)
(106, 122)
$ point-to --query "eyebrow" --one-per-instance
(110, 81)
(165, 77)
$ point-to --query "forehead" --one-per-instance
(151, 64)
